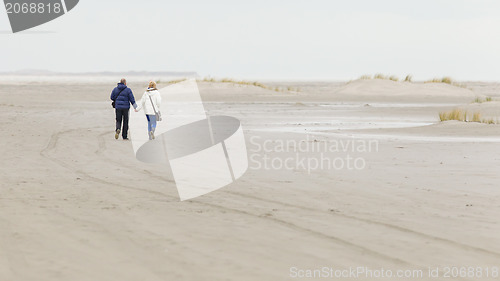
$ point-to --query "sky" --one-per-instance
(271, 39)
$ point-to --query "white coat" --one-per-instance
(146, 102)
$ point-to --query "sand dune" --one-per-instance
(388, 88)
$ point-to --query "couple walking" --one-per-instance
(123, 97)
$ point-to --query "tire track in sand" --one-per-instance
(364, 250)
(389, 226)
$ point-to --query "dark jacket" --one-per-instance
(123, 99)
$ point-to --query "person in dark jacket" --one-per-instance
(123, 97)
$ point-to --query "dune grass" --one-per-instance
(394, 78)
(446, 80)
(461, 115)
(250, 83)
(382, 77)
(476, 117)
(455, 114)
(409, 77)
(490, 121)
(236, 82)
(171, 81)
(479, 100)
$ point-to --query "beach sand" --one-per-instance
(75, 204)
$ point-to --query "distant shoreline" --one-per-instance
(101, 73)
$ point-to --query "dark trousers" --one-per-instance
(122, 114)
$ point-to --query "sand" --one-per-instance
(76, 205)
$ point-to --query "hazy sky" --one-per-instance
(271, 39)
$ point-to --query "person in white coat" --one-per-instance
(150, 102)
